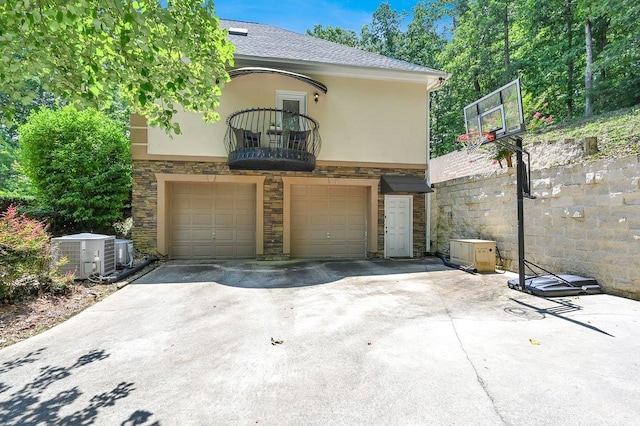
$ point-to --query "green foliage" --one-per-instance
(27, 262)
(19, 202)
(158, 54)
(336, 35)
(13, 183)
(383, 35)
(423, 41)
(494, 41)
(79, 163)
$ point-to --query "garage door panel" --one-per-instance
(225, 236)
(205, 204)
(245, 236)
(180, 235)
(200, 188)
(246, 220)
(223, 219)
(225, 204)
(299, 204)
(356, 221)
(337, 220)
(229, 189)
(317, 205)
(299, 190)
(181, 188)
(245, 251)
(202, 219)
(318, 191)
(201, 234)
(354, 250)
(202, 251)
(180, 219)
(181, 203)
(317, 234)
(212, 220)
(316, 220)
(355, 234)
(181, 250)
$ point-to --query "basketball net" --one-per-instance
(473, 141)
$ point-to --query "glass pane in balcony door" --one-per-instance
(290, 121)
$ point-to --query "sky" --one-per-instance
(299, 16)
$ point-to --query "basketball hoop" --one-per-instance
(475, 140)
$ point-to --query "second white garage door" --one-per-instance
(212, 220)
(328, 221)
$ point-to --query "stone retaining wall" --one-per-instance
(543, 155)
(585, 219)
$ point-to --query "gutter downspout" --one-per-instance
(430, 88)
(427, 173)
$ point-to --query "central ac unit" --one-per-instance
(87, 254)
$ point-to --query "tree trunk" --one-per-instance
(588, 74)
(507, 60)
(570, 60)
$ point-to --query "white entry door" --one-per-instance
(398, 226)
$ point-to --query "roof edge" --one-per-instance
(349, 71)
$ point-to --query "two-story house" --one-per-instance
(322, 151)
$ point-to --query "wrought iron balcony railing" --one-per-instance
(272, 139)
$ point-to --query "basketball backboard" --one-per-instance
(499, 112)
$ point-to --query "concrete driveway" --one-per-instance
(329, 343)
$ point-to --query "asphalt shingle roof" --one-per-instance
(267, 41)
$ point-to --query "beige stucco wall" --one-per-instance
(360, 120)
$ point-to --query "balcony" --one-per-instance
(272, 139)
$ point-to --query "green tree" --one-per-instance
(616, 65)
(422, 42)
(84, 51)
(12, 182)
(79, 163)
(335, 34)
(383, 35)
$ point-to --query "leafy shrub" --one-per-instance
(27, 262)
(79, 163)
(9, 200)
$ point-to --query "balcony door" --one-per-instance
(291, 102)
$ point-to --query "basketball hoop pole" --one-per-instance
(520, 185)
(520, 181)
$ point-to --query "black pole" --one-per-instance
(520, 170)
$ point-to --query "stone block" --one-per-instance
(590, 145)
(574, 212)
(562, 202)
(631, 198)
(541, 183)
(610, 199)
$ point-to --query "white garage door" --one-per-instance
(328, 221)
(212, 221)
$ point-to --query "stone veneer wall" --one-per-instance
(145, 201)
(585, 219)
